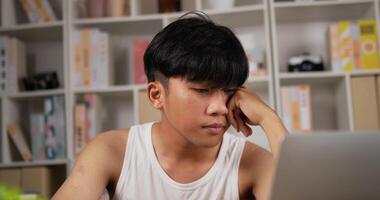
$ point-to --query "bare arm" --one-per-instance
(93, 170)
(246, 108)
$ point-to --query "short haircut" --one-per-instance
(198, 50)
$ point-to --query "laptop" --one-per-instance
(328, 166)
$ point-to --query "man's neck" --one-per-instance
(172, 145)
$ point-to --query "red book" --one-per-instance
(138, 49)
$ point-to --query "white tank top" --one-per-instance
(143, 178)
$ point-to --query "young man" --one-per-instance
(195, 72)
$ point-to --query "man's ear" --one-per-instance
(155, 93)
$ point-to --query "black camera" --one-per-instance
(41, 81)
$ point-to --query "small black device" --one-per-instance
(305, 63)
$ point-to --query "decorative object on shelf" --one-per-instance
(165, 6)
(220, 4)
(305, 63)
(116, 8)
(138, 49)
(96, 8)
(353, 45)
(18, 139)
(254, 53)
(41, 81)
(296, 107)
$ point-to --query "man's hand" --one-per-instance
(246, 108)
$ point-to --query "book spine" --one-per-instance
(106, 68)
(305, 107)
(28, 10)
(11, 68)
(55, 127)
(37, 130)
(34, 10)
(286, 104)
(8, 16)
(78, 59)
(87, 53)
(49, 10)
(79, 128)
(95, 58)
(92, 117)
(19, 140)
(41, 11)
(3, 64)
(346, 51)
(368, 41)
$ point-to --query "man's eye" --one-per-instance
(201, 90)
(230, 90)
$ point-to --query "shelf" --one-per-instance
(33, 163)
(23, 27)
(41, 93)
(363, 73)
(237, 9)
(291, 4)
(309, 75)
(324, 11)
(105, 20)
(111, 89)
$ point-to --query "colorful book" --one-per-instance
(16, 64)
(93, 116)
(55, 145)
(296, 107)
(18, 139)
(369, 58)
(27, 7)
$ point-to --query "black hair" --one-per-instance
(198, 50)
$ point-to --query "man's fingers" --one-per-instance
(241, 121)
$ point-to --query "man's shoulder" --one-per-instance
(113, 141)
(255, 159)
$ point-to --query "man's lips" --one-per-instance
(215, 128)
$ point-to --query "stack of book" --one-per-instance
(38, 11)
(353, 45)
(296, 107)
(47, 132)
(92, 63)
(12, 64)
(87, 121)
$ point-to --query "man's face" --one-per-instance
(196, 111)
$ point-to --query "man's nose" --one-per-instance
(218, 104)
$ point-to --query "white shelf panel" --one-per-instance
(105, 20)
(362, 73)
(237, 9)
(23, 27)
(324, 11)
(308, 75)
(33, 163)
(110, 89)
(259, 79)
(318, 3)
(41, 93)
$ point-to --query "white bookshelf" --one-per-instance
(281, 29)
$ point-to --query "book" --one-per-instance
(18, 139)
(296, 107)
(8, 15)
(27, 7)
(55, 145)
(93, 107)
(341, 46)
(138, 49)
(105, 65)
(87, 52)
(80, 128)
(37, 130)
(42, 11)
(364, 103)
(3, 65)
(16, 64)
(369, 58)
(49, 10)
(78, 59)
